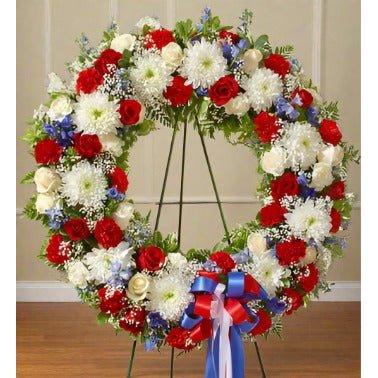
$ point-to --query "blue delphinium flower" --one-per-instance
(113, 193)
(312, 115)
(150, 344)
(305, 190)
(285, 109)
(210, 266)
(276, 306)
(241, 257)
(341, 242)
(119, 276)
(242, 44)
(206, 14)
(156, 321)
(56, 218)
(202, 92)
(61, 130)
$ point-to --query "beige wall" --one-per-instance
(326, 35)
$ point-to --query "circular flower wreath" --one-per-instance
(220, 80)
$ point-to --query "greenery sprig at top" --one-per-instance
(219, 80)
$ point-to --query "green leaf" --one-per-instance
(200, 255)
(29, 210)
(145, 127)
(261, 42)
(102, 318)
(125, 61)
(28, 178)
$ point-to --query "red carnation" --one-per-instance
(77, 229)
(335, 220)
(223, 260)
(131, 112)
(272, 214)
(293, 299)
(108, 233)
(308, 277)
(177, 92)
(150, 258)
(330, 132)
(87, 145)
(290, 252)
(111, 302)
(133, 319)
(229, 36)
(158, 38)
(278, 64)
(119, 179)
(265, 322)
(286, 185)
(180, 338)
(224, 90)
(305, 96)
(88, 80)
(47, 151)
(57, 250)
(108, 56)
(336, 191)
(266, 126)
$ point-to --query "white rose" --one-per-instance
(172, 55)
(44, 202)
(78, 274)
(59, 108)
(111, 143)
(138, 286)
(274, 161)
(332, 155)
(238, 105)
(256, 243)
(55, 84)
(46, 180)
(123, 214)
(251, 59)
(177, 259)
(310, 256)
(123, 42)
(321, 176)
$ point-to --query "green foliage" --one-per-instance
(244, 29)
(262, 44)
(28, 178)
(336, 251)
(29, 210)
(344, 207)
(350, 154)
(330, 110)
(286, 51)
(276, 328)
(200, 255)
(183, 31)
(125, 61)
(34, 133)
(102, 318)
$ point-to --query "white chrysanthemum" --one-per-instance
(268, 272)
(100, 261)
(95, 114)
(84, 185)
(309, 220)
(150, 76)
(150, 22)
(263, 88)
(169, 295)
(203, 64)
(302, 143)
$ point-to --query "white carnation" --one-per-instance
(59, 108)
(123, 214)
(111, 143)
(123, 42)
(332, 155)
(46, 180)
(238, 105)
(256, 243)
(321, 176)
(274, 161)
(263, 88)
(77, 274)
(172, 55)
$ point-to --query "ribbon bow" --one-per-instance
(219, 313)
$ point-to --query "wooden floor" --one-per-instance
(64, 340)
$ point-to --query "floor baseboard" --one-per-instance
(54, 291)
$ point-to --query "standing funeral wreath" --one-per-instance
(218, 80)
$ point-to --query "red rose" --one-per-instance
(111, 302)
(133, 319)
(180, 338)
(265, 322)
(308, 277)
(278, 64)
(108, 56)
(77, 229)
(223, 260)
(57, 250)
(305, 96)
(330, 132)
(47, 151)
(286, 185)
(177, 92)
(229, 36)
(336, 190)
(290, 252)
(272, 214)
(158, 38)
(88, 80)
(335, 220)
(108, 233)
(131, 112)
(150, 258)
(293, 299)
(87, 145)
(224, 90)
(266, 126)
(119, 179)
